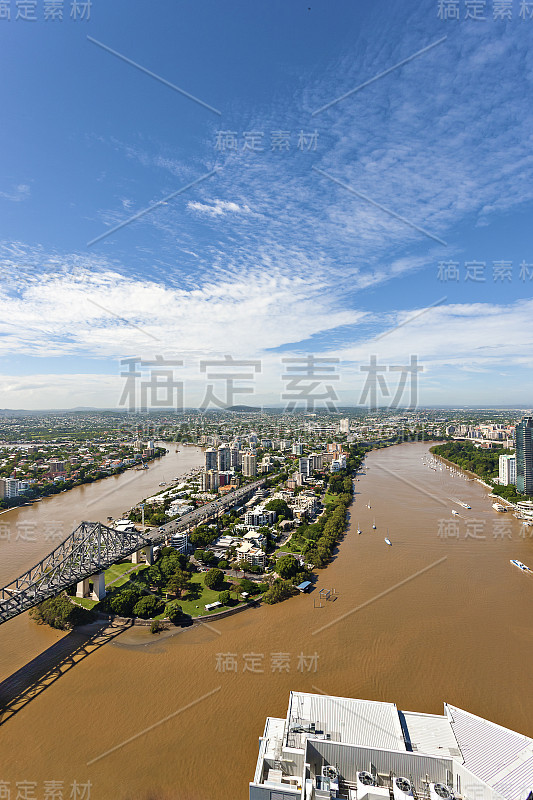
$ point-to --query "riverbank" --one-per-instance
(68, 485)
(476, 477)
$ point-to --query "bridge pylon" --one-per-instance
(92, 587)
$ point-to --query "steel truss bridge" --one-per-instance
(89, 549)
(92, 548)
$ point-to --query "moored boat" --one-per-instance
(520, 565)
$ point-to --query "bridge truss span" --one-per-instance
(90, 548)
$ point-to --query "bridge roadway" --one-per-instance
(199, 515)
(93, 547)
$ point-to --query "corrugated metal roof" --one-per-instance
(362, 722)
(518, 783)
(492, 752)
(431, 734)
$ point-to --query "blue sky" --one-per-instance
(277, 252)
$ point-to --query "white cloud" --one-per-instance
(17, 194)
(218, 208)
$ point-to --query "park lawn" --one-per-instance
(208, 596)
(129, 576)
(118, 571)
(331, 498)
(84, 601)
(289, 547)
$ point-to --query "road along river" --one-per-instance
(440, 615)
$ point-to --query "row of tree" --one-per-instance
(481, 461)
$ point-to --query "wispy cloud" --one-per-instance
(218, 208)
(18, 193)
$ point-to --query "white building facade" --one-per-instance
(507, 466)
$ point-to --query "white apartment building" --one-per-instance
(507, 470)
(209, 481)
(259, 516)
(234, 454)
(252, 555)
(338, 463)
(337, 747)
(316, 461)
(255, 538)
(224, 458)
(297, 449)
(249, 465)
(179, 507)
(9, 488)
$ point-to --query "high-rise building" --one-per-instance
(224, 478)
(211, 461)
(9, 488)
(212, 480)
(303, 466)
(297, 449)
(507, 470)
(224, 458)
(524, 456)
(249, 465)
(344, 425)
(315, 462)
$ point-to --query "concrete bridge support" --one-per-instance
(92, 587)
(148, 550)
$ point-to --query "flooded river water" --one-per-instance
(440, 616)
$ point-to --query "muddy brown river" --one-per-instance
(440, 616)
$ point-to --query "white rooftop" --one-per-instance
(431, 734)
(350, 721)
(500, 757)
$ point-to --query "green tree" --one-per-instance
(249, 586)
(287, 566)
(280, 590)
(123, 601)
(179, 582)
(280, 507)
(214, 578)
(149, 606)
(174, 612)
(224, 598)
(155, 576)
(157, 626)
(59, 612)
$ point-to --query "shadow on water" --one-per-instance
(33, 678)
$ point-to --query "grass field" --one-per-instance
(196, 607)
(120, 573)
(289, 547)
